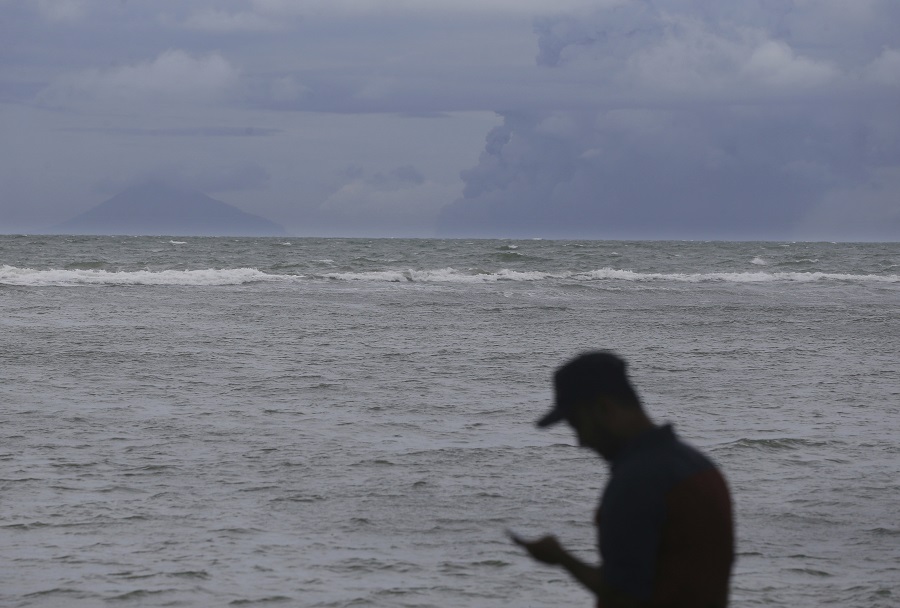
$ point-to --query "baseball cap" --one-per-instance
(584, 377)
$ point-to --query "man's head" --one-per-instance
(594, 395)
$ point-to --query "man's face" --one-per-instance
(590, 422)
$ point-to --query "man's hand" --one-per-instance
(546, 549)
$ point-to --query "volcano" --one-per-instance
(158, 208)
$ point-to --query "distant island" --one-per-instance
(157, 208)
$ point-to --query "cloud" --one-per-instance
(706, 120)
(646, 117)
(637, 52)
(885, 69)
(62, 10)
(775, 63)
(397, 202)
(222, 21)
(267, 15)
(359, 193)
(234, 177)
(870, 212)
(180, 131)
(351, 7)
(633, 173)
(286, 90)
(174, 75)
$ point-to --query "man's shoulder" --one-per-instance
(663, 462)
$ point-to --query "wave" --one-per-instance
(444, 275)
(13, 276)
(452, 275)
(777, 443)
(28, 277)
(741, 277)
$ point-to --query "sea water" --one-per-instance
(338, 422)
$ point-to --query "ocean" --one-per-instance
(350, 422)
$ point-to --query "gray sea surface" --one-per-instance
(349, 422)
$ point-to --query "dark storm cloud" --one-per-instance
(710, 121)
(642, 174)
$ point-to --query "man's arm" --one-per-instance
(548, 550)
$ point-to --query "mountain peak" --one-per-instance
(156, 207)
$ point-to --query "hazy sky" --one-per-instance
(556, 118)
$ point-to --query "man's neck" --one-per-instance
(634, 423)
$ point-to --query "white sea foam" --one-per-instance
(736, 277)
(10, 275)
(759, 261)
(452, 275)
(444, 275)
(178, 242)
(391, 276)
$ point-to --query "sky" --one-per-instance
(618, 119)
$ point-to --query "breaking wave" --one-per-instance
(741, 277)
(451, 275)
(445, 275)
(10, 275)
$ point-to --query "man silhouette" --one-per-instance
(664, 522)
